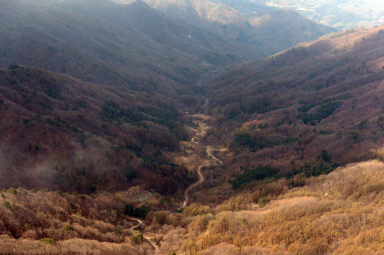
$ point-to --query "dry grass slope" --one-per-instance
(340, 213)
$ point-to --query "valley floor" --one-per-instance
(197, 155)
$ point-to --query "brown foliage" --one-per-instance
(68, 247)
(62, 133)
(323, 95)
(339, 213)
(62, 216)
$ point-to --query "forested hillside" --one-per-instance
(305, 109)
(58, 132)
(112, 125)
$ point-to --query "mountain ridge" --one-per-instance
(251, 29)
(112, 47)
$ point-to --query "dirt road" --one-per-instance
(147, 238)
(197, 161)
(139, 223)
(211, 160)
(200, 181)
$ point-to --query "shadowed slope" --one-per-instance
(60, 132)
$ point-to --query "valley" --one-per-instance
(207, 158)
(190, 127)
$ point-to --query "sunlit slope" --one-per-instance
(340, 213)
(319, 96)
(44, 222)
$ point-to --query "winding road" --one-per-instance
(186, 193)
(209, 160)
(208, 149)
(146, 237)
(139, 223)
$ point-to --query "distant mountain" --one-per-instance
(58, 132)
(108, 43)
(135, 45)
(345, 14)
(314, 104)
(264, 29)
